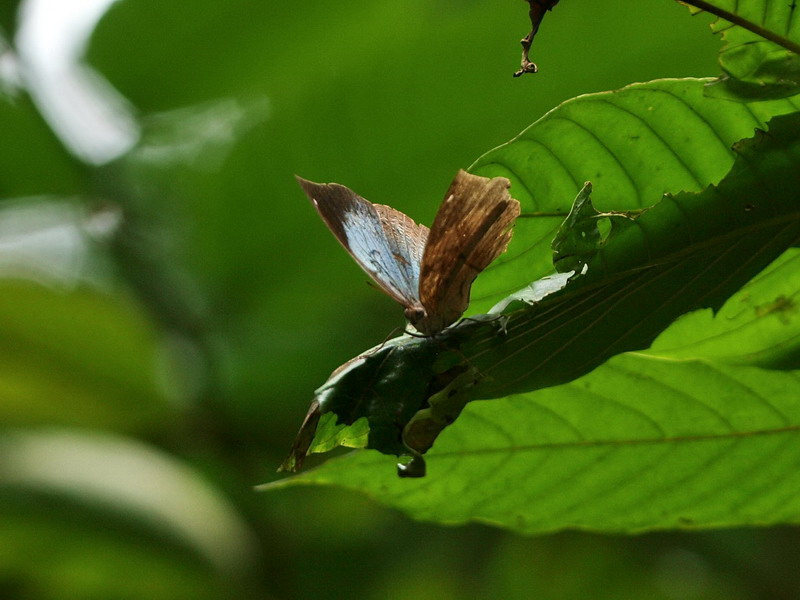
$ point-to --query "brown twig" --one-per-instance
(538, 8)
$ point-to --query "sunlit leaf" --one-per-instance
(638, 444)
(581, 234)
(310, 63)
(633, 144)
(220, 258)
(760, 57)
(696, 251)
(697, 245)
(757, 326)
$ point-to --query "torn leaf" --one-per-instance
(582, 234)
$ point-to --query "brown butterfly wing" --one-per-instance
(471, 229)
(387, 244)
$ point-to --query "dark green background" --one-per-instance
(201, 329)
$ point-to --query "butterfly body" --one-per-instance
(429, 272)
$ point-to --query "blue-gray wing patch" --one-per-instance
(386, 243)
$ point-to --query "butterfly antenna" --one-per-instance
(390, 336)
(417, 334)
(502, 318)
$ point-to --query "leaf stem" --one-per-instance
(741, 22)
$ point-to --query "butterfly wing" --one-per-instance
(471, 229)
(387, 244)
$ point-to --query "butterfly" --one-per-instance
(429, 272)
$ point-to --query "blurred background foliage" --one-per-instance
(169, 300)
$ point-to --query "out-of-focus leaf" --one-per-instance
(8, 18)
(640, 443)
(88, 115)
(79, 357)
(54, 241)
(87, 512)
(760, 58)
(689, 251)
(32, 161)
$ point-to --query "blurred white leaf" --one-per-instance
(132, 477)
(92, 119)
(48, 240)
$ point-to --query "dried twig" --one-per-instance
(537, 10)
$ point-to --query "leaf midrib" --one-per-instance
(731, 435)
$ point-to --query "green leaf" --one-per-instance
(578, 238)
(640, 443)
(687, 252)
(633, 144)
(757, 326)
(760, 58)
(32, 160)
(82, 358)
(8, 18)
(580, 235)
(79, 503)
(310, 62)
